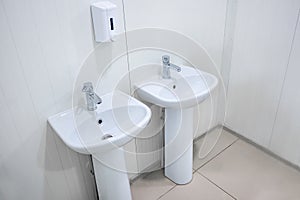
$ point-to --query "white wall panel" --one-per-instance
(286, 134)
(201, 20)
(14, 84)
(29, 53)
(262, 41)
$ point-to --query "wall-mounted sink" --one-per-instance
(178, 93)
(102, 133)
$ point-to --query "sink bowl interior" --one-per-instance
(121, 119)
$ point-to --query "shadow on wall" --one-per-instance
(70, 169)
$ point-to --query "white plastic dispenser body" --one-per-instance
(104, 16)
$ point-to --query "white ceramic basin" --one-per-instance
(115, 122)
(185, 89)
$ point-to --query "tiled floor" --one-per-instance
(233, 169)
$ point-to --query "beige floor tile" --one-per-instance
(151, 187)
(200, 188)
(210, 145)
(248, 173)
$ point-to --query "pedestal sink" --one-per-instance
(178, 95)
(102, 133)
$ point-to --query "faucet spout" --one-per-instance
(97, 99)
(92, 99)
(175, 67)
(167, 66)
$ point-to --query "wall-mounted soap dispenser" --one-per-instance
(104, 16)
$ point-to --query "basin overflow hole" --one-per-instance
(106, 136)
(100, 121)
(174, 86)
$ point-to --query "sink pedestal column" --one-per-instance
(179, 145)
(112, 182)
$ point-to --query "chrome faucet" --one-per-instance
(92, 99)
(166, 67)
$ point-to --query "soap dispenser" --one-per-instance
(104, 16)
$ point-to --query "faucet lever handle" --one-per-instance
(166, 59)
(87, 87)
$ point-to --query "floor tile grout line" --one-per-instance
(166, 192)
(216, 185)
(195, 171)
(217, 154)
(203, 175)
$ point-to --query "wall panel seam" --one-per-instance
(284, 79)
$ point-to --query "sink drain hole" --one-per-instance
(106, 136)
